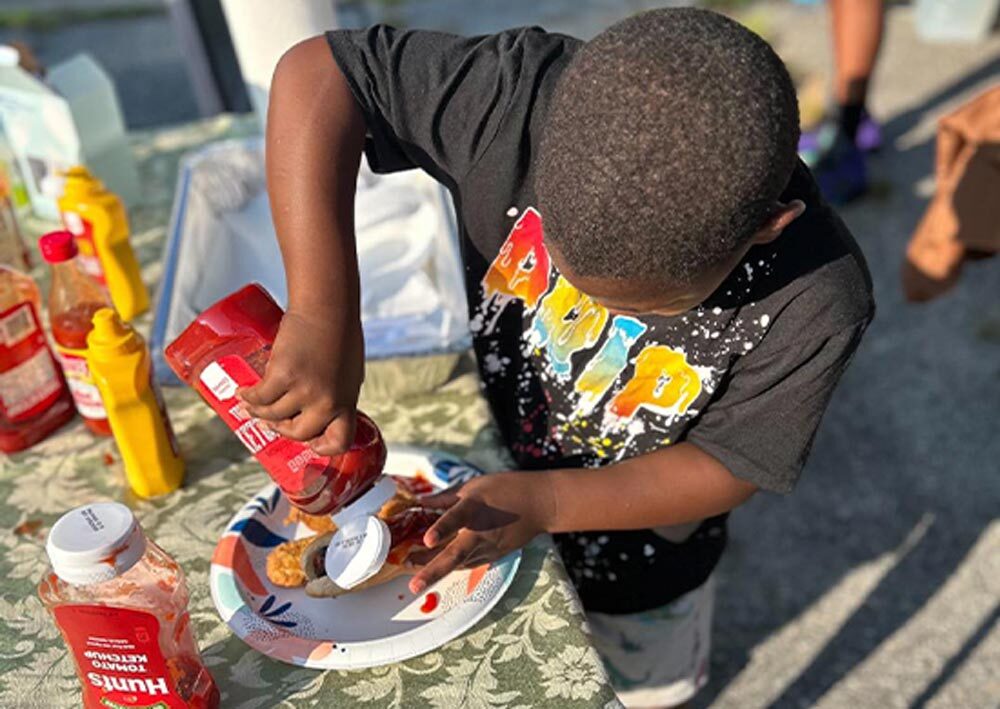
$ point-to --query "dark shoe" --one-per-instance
(841, 171)
(814, 142)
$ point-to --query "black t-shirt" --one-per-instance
(745, 376)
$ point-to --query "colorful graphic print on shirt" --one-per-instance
(590, 383)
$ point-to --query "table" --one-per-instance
(532, 650)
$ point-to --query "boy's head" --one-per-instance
(670, 137)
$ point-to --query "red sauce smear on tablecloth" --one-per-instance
(29, 526)
(430, 603)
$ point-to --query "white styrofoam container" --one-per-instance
(413, 301)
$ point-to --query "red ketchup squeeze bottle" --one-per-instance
(120, 603)
(227, 348)
(34, 400)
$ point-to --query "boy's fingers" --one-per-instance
(440, 500)
(443, 564)
(336, 436)
(448, 525)
(286, 407)
(422, 557)
(303, 427)
(267, 391)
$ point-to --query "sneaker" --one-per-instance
(869, 136)
(840, 171)
(814, 142)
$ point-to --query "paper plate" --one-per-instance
(374, 627)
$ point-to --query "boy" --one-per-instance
(661, 304)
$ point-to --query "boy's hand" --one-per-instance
(487, 517)
(310, 388)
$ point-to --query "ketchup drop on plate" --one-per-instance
(430, 603)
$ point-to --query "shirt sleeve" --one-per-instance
(762, 423)
(431, 100)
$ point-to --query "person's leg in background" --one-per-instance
(836, 150)
(857, 35)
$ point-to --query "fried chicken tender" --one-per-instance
(284, 563)
(317, 523)
(396, 505)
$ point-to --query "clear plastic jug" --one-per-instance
(955, 20)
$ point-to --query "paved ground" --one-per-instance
(877, 584)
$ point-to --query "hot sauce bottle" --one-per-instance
(120, 603)
(227, 348)
(34, 400)
(73, 300)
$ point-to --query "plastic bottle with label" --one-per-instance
(226, 348)
(73, 299)
(97, 219)
(34, 400)
(122, 369)
(120, 603)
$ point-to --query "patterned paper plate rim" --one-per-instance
(265, 617)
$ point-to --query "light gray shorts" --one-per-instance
(658, 658)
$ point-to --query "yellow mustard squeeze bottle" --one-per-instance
(122, 369)
(97, 219)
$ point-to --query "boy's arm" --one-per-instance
(315, 136)
(425, 99)
(757, 436)
(495, 514)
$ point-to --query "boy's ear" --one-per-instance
(779, 221)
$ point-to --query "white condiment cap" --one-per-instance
(95, 543)
(357, 551)
(369, 503)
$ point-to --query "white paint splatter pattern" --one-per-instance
(710, 337)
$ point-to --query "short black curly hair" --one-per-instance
(668, 140)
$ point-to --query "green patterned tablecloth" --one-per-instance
(532, 650)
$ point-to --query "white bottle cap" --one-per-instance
(9, 56)
(95, 543)
(369, 503)
(357, 551)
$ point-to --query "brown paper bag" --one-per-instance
(963, 219)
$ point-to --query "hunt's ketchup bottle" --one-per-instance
(121, 604)
(227, 348)
(73, 300)
(34, 400)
